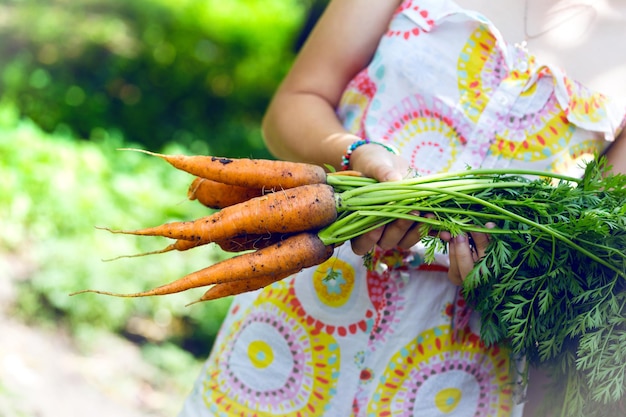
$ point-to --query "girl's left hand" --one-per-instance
(464, 251)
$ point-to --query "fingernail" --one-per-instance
(461, 238)
(393, 176)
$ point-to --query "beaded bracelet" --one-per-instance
(345, 159)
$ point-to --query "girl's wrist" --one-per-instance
(345, 159)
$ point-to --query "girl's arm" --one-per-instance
(616, 154)
(300, 123)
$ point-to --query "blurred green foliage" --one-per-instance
(190, 76)
(194, 72)
(54, 191)
(81, 78)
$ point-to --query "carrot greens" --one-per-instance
(552, 283)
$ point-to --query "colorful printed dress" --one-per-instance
(449, 93)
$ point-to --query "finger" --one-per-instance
(363, 244)
(453, 271)
(376, 162)
(394, 232)
(414, 235)
(481, 241)
(434, 232)
(463, 255)
(444, 235)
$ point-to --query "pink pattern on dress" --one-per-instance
(317, 326)
(428, 132)
(384, 284)
(356, 102)
(414, 31)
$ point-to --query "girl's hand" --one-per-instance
(376, 162)
(464, 251)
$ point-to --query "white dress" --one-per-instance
(449, 93)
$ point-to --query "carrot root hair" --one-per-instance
(180, 245)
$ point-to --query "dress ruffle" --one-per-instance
(583, 107)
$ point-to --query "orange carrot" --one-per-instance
(252, 173)
(228, 289)
(308, 207)
(279, 260)
(217, 195)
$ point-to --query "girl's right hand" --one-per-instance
(376, 162)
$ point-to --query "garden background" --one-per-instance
(78, 80)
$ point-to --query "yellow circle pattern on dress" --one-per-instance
(552, 139)
(583, 104)
(333, 281)
(260, 353)
(423, 134)
(448, 399)
(418, 377)
(577, 157)
(293, 372)
(470, 66)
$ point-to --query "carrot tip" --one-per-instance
(104, 293)
(199, 300)
(115, 258)
(141, 150)
(122, 232)
(138, 255)
(108, 229)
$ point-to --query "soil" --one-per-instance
(44, 374)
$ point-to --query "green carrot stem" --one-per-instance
(394, 187)
(419, 191)
(422, 190)
(347, 222)
(478, 173)
(348, 232)
(348, 181)
(427, 209)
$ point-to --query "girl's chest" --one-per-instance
(583, 37)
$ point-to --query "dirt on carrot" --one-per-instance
(251, 241)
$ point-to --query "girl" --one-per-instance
(389, 87)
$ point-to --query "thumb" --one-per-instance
(391, 168)
(378, 163)
(387, 173)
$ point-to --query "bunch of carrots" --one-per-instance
(286, 216)
(552, 281)
(268, 210)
